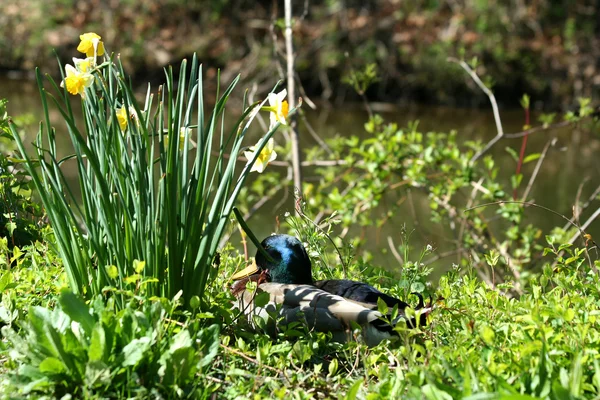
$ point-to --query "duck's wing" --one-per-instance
(367, 296)
(359, 292)
(318, 309)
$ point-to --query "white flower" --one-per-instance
(278, 107)
(264, 158)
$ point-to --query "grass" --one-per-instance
(543, 344)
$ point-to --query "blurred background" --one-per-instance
(548, 49)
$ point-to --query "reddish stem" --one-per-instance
(522, 153)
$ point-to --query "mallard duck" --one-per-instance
(326, 306)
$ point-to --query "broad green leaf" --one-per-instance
(431, 392)
(353, 391)
(209, 344)
(97, 344)
(97, 373)
(52, 365)
(77, 310)
(135, 351)
(180, 340)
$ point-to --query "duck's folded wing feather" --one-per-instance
(359, 292)
(321, 310)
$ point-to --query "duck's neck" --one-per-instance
(292, 268)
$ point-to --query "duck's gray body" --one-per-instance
(317, 309)
(327, 306)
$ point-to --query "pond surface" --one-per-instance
(575, 160)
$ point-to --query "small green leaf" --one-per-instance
(531, 157)
(382, 306)
(17, 253)
(51, 365)
(418, 287)
(132, 278)
(515, 180)
(139, 266)
(512, 153)
(112, 271)
(194, 302)
(5, 280)
(333, 367)
(262, 299)
(487, 334)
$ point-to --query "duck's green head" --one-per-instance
(290, 262)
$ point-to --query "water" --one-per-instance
(573, 161)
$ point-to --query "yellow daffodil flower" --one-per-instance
(91, 44)
(278, 107)
(122, 117)
(84, 64)
(76, 81)
(264, 158)
(182, 133)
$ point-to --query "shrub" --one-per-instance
(83, 351)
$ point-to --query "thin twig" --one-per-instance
(537, 168)
(443, 255)
(537, 129)
(492, 98)
(394, 251)
(587, 203)
(581, 229)
(315, 135)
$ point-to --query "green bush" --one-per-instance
(82, 351)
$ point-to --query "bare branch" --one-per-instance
(537, 168)
(395, 253)
(492, 98)
(291, 90)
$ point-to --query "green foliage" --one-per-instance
(480, 342)
(20, 217)
(360, 80)
(99, 351)
(144, 194)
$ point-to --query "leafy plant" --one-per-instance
(20, 217)
(145, 195)
(84, 350)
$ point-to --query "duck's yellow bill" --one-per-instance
(249, 270)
